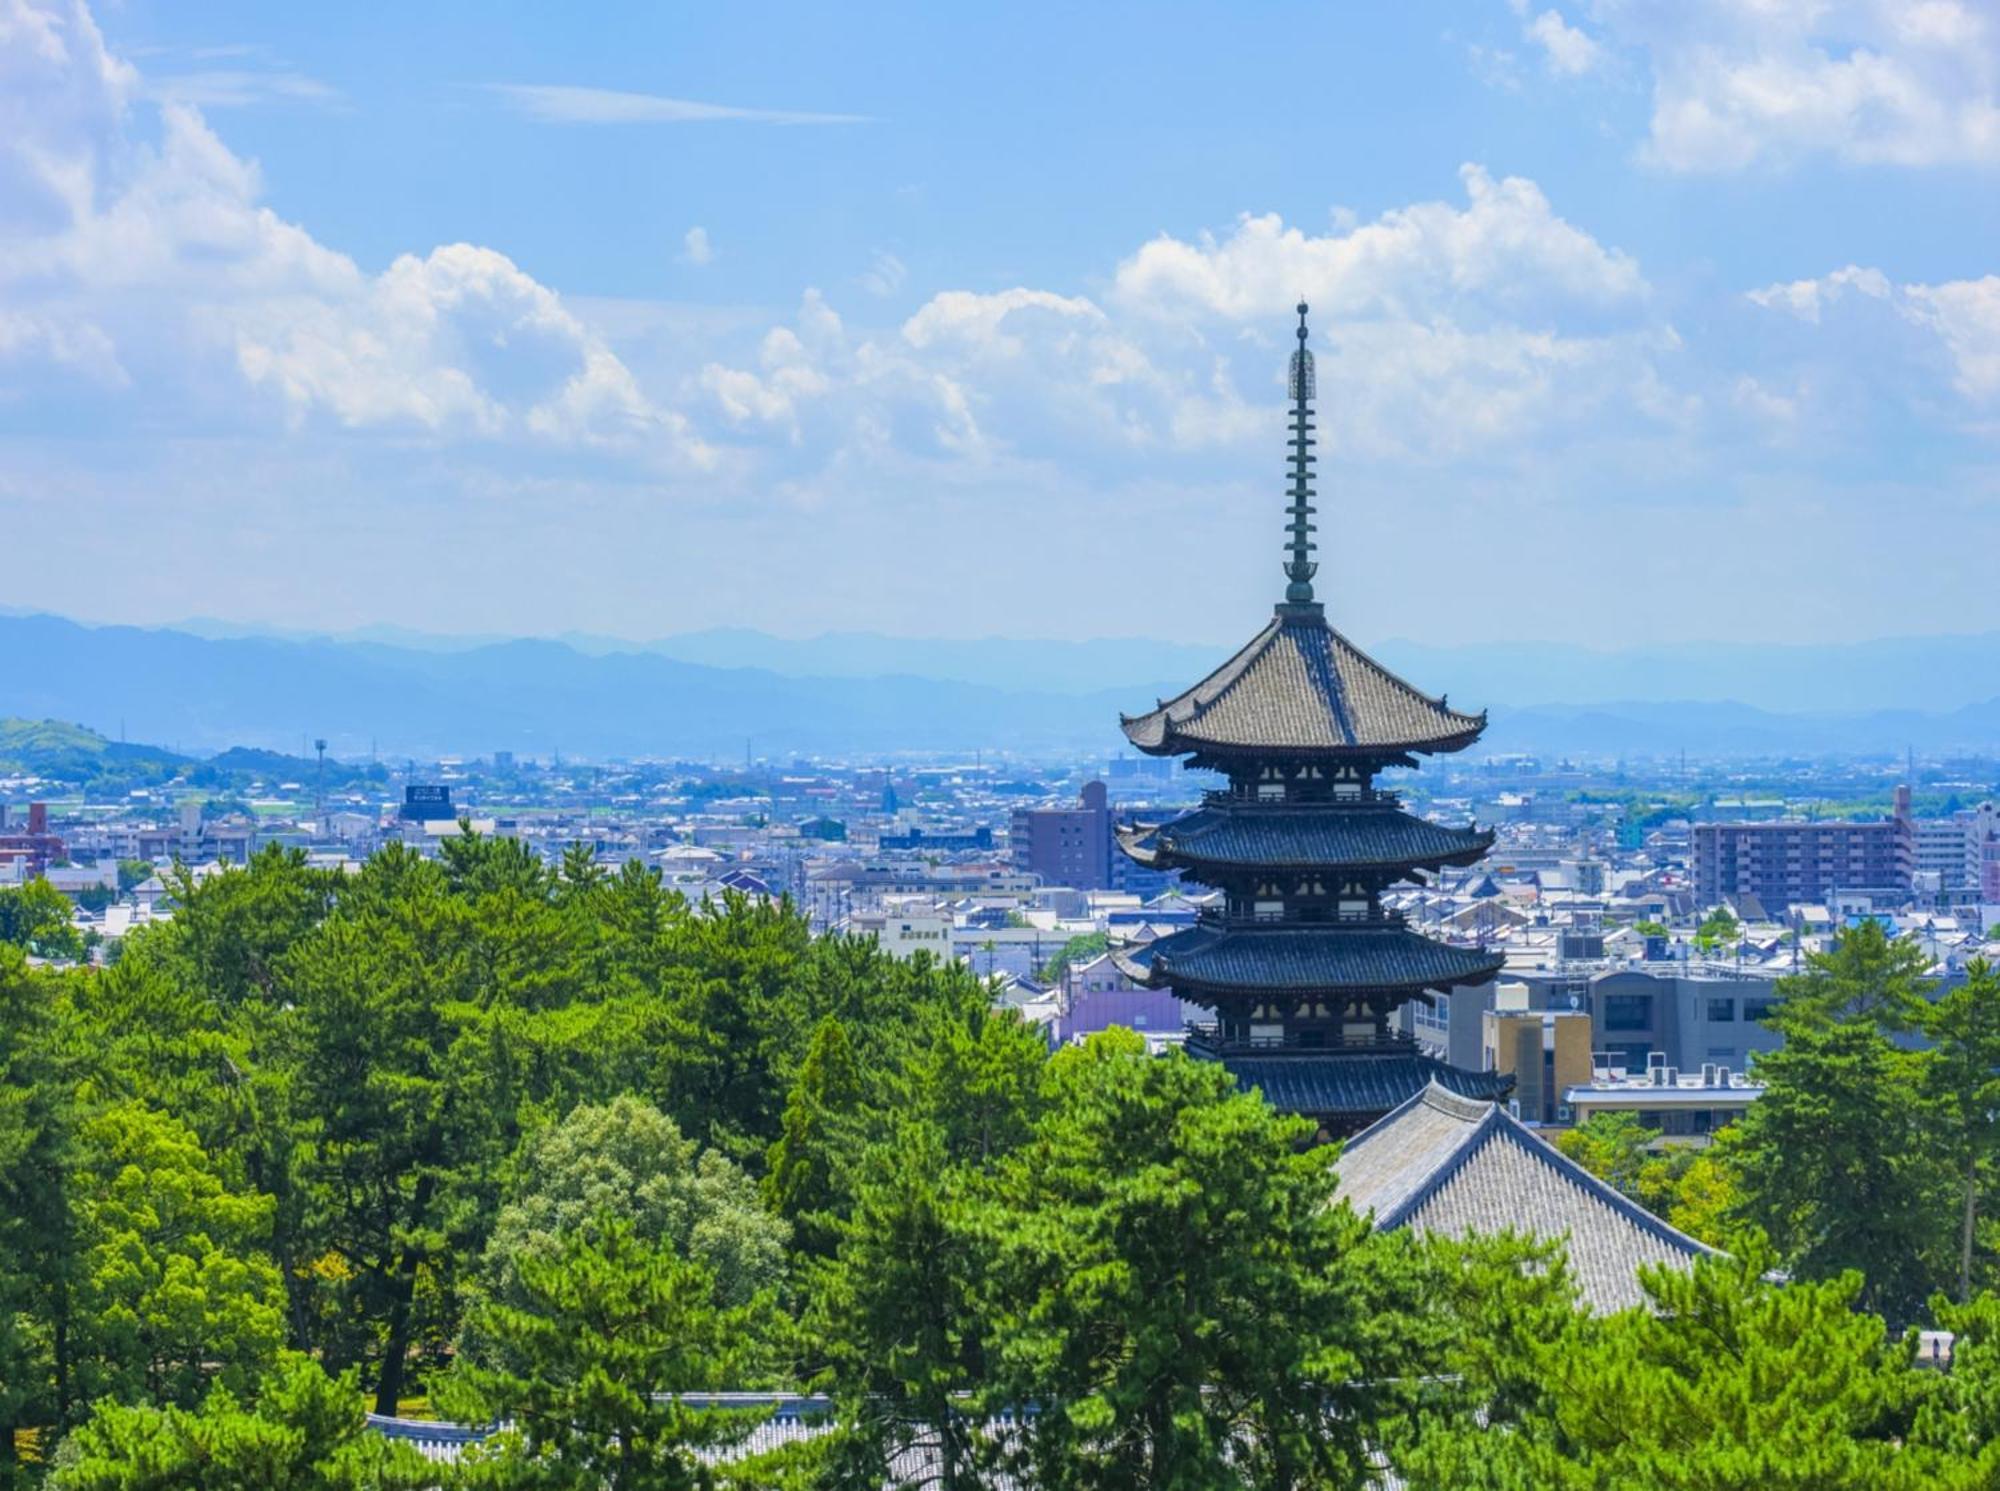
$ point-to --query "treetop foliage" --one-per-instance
(552, 1146)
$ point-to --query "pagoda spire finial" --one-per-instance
(1300, 568)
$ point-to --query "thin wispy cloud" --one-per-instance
(240, 88)
(557, 103)
(231, 75)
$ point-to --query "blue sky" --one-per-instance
(1637, 319)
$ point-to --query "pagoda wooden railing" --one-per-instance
(1246, 797)
(1216, 916)
(1210, 1039)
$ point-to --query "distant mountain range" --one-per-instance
(1927, 674)
(707, 694)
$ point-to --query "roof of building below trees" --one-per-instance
(1451, 1164)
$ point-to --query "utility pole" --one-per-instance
(319, 789)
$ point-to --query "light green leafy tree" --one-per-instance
(170, 1288)
(1728, 1382)
(36, 916)
(304, 1431)
(626, 1159)
(1079, 949)
(1719, 929)
(592, 1367)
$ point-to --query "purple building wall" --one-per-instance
(1096, 996)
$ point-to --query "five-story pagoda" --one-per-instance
(1301, 963)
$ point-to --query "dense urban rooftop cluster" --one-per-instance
(1600, 894)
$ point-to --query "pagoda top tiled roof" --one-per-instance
(1450, 1163)
(1250, 835)
(1304, 959)
(1350, 1084)
(1301, 686)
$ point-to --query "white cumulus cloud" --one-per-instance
(1568, 50)
(1441, 329)
(1506, 248)
(1960, 317)
(132, 237)
(1743, 83)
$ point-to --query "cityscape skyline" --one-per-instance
(1660, 317)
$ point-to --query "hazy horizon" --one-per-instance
(210, 625)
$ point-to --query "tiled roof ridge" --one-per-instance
(1540, 1149)
(1231, 669)
(1343, 679)
(1454, 1104)
(1495, 1122)
(1436, 700)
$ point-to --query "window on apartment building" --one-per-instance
(1722, 1010)
(1628, 1011)
(1758, 1009)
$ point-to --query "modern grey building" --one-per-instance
(1692, 1014)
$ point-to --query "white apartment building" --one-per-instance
(906, 928)
(1953, 848)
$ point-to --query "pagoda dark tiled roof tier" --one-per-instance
(1300, 960)
(1254, 836)
(1300, 687)
(1346, 1084)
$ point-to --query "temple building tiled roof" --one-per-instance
(1299, 685)
(1293, 960)
(1253, 836)
(1453, 1164)
(1338, 1084)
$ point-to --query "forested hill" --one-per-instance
(61, 752)
(78, 756)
